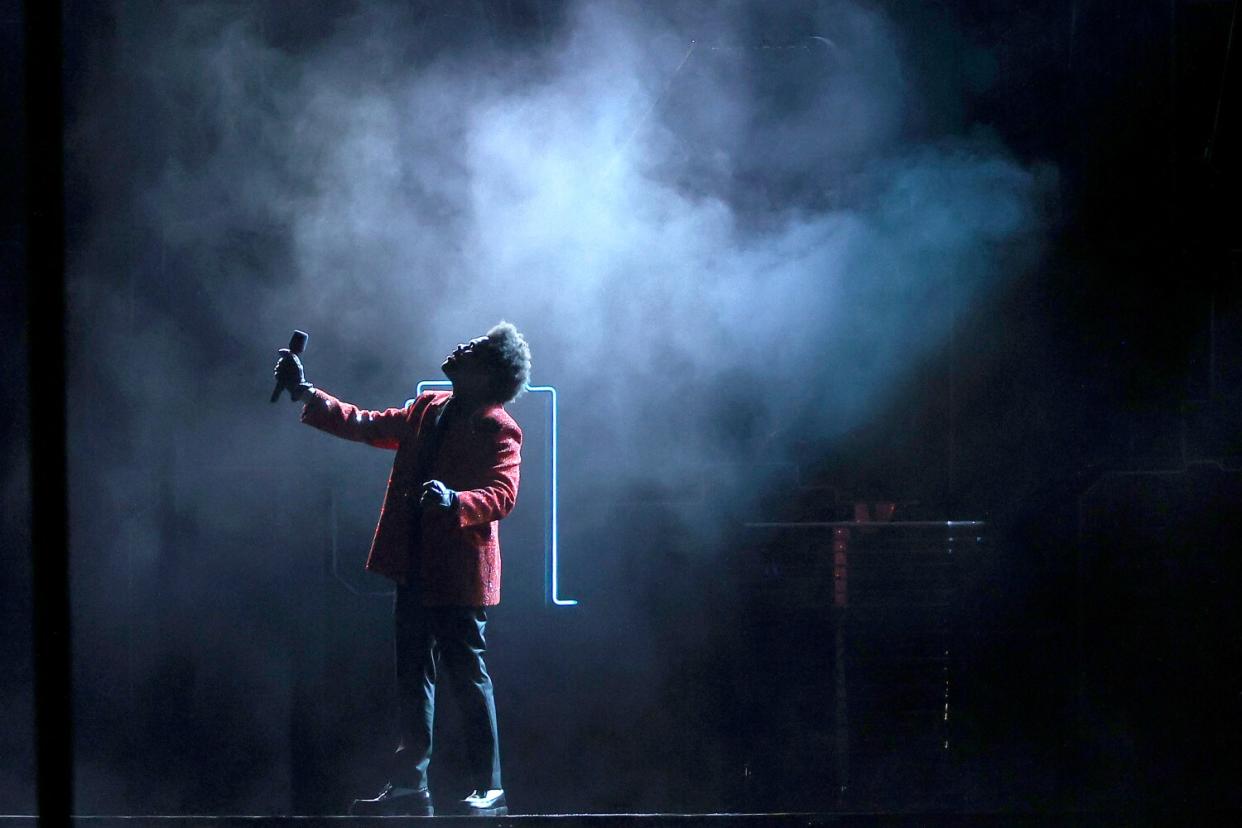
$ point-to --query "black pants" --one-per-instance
(429, 638)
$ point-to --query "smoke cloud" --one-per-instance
(720, 230)
(670, 219)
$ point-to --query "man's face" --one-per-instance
(468, 359)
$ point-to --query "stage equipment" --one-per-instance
(872, 701)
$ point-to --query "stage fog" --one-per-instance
(778, 261)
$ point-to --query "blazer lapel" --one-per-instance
(427, 436)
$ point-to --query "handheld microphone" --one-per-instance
(297, 344)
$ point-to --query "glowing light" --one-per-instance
(553, 575)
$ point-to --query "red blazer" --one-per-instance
(457, 555)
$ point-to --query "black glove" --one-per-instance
(290, 374)
(438, 496)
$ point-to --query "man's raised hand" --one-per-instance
(290, 374)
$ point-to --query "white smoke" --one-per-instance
(716, 242)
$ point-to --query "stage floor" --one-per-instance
(931, 820)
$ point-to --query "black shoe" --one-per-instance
(486, 803)
(394, 801)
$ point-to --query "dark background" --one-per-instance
(1087, 411)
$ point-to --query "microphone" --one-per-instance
(297, 344)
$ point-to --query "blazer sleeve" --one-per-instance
(382, 429)
(495, 498)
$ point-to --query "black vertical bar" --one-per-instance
(46, 353)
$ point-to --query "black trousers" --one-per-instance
(428, 639)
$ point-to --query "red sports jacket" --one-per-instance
(457, 553)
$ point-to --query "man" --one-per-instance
(454, 476)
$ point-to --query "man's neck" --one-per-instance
(467, 403)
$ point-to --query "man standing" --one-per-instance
(454, 477)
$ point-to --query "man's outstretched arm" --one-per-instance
(382, 429)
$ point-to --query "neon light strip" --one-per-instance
(554, 568)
